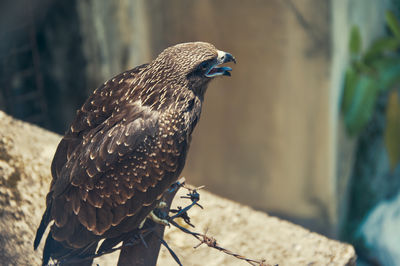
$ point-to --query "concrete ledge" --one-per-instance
(25, 156)
(253, 234)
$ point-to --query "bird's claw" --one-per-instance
(153, 216)
(161, 205)
(157, 219)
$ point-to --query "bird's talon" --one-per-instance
(158, 220)
(161, 205)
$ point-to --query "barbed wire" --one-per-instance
(139, 235)
(211, 242)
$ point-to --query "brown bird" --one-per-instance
(126, 146)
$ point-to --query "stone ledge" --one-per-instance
(25, 156)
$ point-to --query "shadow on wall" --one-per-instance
(43, 79)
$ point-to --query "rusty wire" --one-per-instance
(211, 242)
(140, 234)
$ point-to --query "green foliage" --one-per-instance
(362, 105)
(393, 24)
(355, 41)
(374, 71)
(379, 47)
(392, 131)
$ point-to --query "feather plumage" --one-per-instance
(126, 146)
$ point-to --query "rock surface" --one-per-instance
(25, 156)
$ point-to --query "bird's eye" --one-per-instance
(203, 65)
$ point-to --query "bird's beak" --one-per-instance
(215, 70)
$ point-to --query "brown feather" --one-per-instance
(63, 233)
(104, 218)
(60, 211)
(134, 204)
(140, 186)
(79, 237)
(117, 198)
(83, 193)
(87, 216)
(75, 200)
(119, 212)
(94, 199)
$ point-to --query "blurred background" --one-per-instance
(307, 128)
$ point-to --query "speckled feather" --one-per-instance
(126, 146)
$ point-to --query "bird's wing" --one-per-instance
(112, 173)
(106, 147)
(91, 145)
(92, 185)
(97, 108)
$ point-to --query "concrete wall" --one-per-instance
(269, 135)
(265, 137)
(114, 37)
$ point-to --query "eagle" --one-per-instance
(126, 146)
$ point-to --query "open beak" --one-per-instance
(216, 69)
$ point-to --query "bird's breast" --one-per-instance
(172, 139)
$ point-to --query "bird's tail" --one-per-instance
(42, 227)
(67, 256)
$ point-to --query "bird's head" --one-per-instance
(193, 64)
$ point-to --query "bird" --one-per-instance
(127, 144)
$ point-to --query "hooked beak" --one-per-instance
(216, 70)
